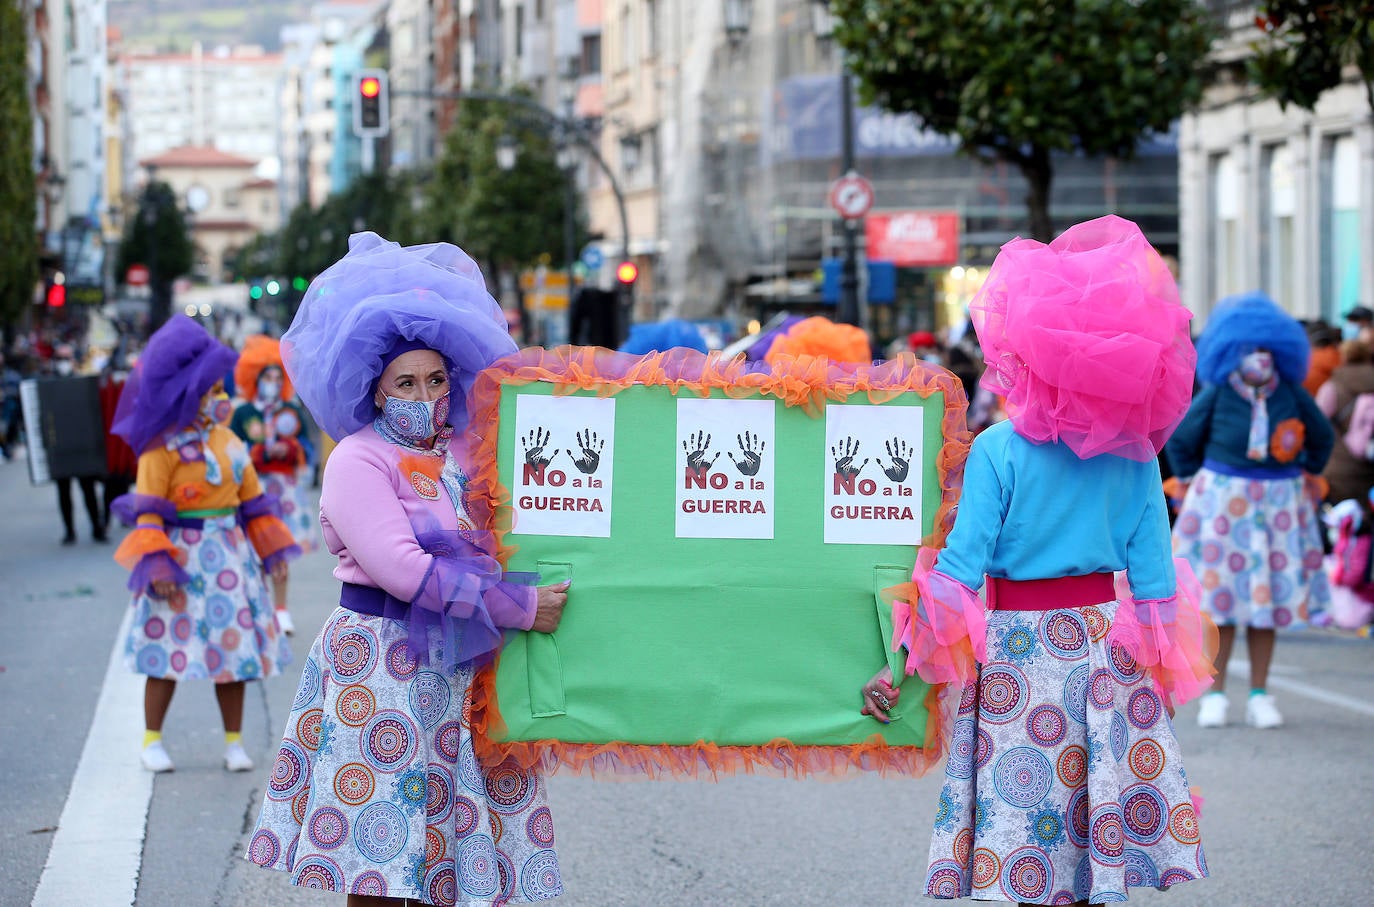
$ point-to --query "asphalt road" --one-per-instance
(1287, 818)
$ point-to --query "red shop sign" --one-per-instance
(913, 238)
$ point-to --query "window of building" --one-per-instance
(591, 55)
(231, 198)
(650, 28)
(1340, 253)
(1279, 204)
(627, 38)
(520, 31)
(1225, 233)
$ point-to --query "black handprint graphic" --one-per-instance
(534, 443)
(591, 452)
(844, 459)
(751, 454)
(900, 454)
(696, 453)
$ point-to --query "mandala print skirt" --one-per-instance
(300, 517)
(220, 625)
(376, 789)
(1064, 780)
(1255, 545)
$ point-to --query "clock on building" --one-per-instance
(197, 198)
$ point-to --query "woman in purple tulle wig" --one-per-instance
(376, 791)
(200, 607)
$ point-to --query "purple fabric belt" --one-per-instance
(371, 601)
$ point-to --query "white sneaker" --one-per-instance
(288, 626)
(155, 759)
(1212, 710)
(236, 758)
(1261, 713)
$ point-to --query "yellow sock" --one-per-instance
(151, 737)
(232, 737)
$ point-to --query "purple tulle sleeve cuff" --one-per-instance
(940, 622)
(281, 556)
(129, 507)
(468, 597)
(262, 505)
(155, 567)
(1170, 638)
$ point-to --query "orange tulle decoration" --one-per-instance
(809, 382)
(268, 535)
(822, 338)
(259, 352)
(143, 541)
(1171, 639)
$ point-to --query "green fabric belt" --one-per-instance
(208, 514)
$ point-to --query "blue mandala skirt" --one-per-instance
(1064, 780)
(376, 789)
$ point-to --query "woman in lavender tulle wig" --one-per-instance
(1064, 783)
(376, 792)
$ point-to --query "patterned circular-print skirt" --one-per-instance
(302, 519)
(220, 625)
(1255, 545)
(1064, 781)
(376, 789)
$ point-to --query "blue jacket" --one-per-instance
(1217, 429)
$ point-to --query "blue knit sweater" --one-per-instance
(1217, 429)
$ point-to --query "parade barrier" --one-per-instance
(728, 529)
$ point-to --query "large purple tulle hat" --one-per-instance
(180, 363)
(1087, 341)
(379, 299)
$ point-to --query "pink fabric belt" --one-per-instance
(1050, 594)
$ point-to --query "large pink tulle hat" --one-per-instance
(1087, 341)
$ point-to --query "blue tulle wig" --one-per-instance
(657, 336)
(1246, 322)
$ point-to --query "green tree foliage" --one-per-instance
(508, 219)
(157, 237)
(1307, 44)
(1019, 79)
(18, 198)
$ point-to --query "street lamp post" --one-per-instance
(823, 23)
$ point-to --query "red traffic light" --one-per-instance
(57, 296)
(627, 272)
(370, 87)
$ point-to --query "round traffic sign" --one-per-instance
(137, 275)
(851, 196)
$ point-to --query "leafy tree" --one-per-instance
(509, 219)
(1020, 79)
(18, 197)
(1306, 46)
(157, 237)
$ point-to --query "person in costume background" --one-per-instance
(271, 423)
(1064, 783)
(376, 791)
(200, 609)
(1248, 522)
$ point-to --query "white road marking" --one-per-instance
(1241, 668)
(97, 850)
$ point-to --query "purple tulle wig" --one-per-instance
(378, 297)
(180, 363)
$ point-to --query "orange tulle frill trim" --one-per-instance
(143, 541)
(268, 535)
(809, 382)
(704, 760)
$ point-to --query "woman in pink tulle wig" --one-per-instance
(1064, 783)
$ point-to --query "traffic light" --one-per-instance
(57, 291)
(627, 272)
(273, 287)
(371, 107)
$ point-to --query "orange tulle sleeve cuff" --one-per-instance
(143, 541)
(1171, 638)
(271, 540)
(940, 622)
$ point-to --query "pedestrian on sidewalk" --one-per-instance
(1250, 450)
(271, 423)
(200, 608)
(376, 791)
(1064, 784)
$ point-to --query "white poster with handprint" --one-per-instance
(723, 471)
(872, 474)
(564, 456)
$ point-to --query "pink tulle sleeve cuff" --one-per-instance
(940, 622)
(1171, 638)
